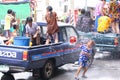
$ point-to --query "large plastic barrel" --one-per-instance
(21, 41)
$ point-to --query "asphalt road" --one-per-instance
(103, 68)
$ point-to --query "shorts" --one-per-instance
(11, 29)
(83, 63)
(116, 20)
(52, 37)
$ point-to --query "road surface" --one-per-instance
(102, 69)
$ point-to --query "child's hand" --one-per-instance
(88, 55)
(79, 45)
(8, 43)
(35, 36)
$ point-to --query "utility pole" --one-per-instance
(72, 16)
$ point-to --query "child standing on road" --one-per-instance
(86, 51)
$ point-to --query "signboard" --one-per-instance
(13, 0)
(9, 0)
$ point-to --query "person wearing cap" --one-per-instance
(33, 31)
(52, 26)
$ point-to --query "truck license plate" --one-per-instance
(4, 68)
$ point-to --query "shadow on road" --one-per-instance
(59, 72)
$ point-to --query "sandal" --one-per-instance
(84, 76)
(76, 78)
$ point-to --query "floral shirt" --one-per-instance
(114, 9)
(84, 23)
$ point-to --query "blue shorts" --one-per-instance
(83, 63)
(11, 29)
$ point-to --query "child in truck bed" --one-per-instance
(14, 34)
(1, 38)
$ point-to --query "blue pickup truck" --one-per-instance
(41, 60)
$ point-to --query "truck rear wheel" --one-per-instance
(7, 76)
(48, 70)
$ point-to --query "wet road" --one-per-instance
(102, 69)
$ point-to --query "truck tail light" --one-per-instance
(25, 55)
(116, 41)
(73, 39)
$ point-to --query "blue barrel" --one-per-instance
(21, 41)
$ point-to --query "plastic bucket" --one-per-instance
(21, 41)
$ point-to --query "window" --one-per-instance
(70, 32)
(65, 8)
(44, 29)
(64, 34)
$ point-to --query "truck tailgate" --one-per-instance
(12, 55)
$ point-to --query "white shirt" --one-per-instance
(32, 30)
